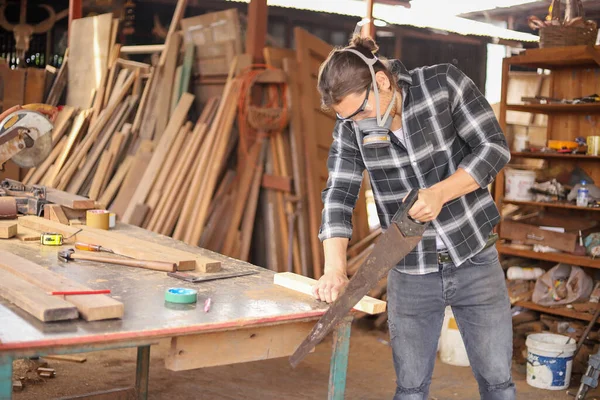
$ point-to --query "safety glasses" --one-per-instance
(360, 109)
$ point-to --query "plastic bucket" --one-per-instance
(518, 182)
(549, 360)
(452, 348)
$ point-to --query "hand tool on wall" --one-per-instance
(399, 239)
(96, 248)
(70, 255)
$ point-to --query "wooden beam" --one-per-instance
(33, 300)
(126, 245)
(69, 200)
(256, 34)
(304, 285)
(54, 212)
(91, 307)
(235, 346)
(369, 28)
(75, 11)
(144, 49)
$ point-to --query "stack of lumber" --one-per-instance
(129, 140)
(26, 284)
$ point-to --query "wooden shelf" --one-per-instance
(529, 154)
(548, 204)
(573, 56)
(552, 257)
(555, 108)
(560, 311)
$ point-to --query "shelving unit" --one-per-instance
(560, 311)
(551, 205)
(574, 73)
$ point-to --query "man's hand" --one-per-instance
(330, 285)
(428, 205)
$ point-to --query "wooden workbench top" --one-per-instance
(243, 301)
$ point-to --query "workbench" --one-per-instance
(250, 318)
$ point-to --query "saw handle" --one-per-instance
(408, 226)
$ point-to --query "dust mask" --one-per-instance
(376, 130)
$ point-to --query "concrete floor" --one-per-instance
(370, 377)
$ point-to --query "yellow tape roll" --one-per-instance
(98, 219)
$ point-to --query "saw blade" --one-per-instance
(33, 156)
(393, 245)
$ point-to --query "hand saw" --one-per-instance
(392, 246)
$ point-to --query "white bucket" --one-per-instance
(549, 360)
(452, 347)
(518, 182)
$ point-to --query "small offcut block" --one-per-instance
(8, 229)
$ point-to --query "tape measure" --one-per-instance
(51, 239)
(181, 295)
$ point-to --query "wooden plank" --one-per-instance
(27, 235)
(236, 346)
(143, 49)
(159, 155)
(244, 185)
(304, 285)
(35, 85)
(125, 244)
(33, 300)
(121, 111)
(175, 89)
(76, 130)
(63, 120)
(226, 110)
(280, 183)
(91, 307)
(89, 47)
(71, 358)
(69, 200)
(101, 172)
(256, 34)
(165, 92)
(131, 182)
(8, 229)
(116, 181)
(177, 16)
(92, 135)
(51, 73)
(60, 83)
(159, 189)
(54, 212)
(298, 162)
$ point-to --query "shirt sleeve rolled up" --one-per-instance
(346, 166)
(477, 125)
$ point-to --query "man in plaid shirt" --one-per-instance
(428, 129)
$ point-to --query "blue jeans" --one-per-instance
(477, 293)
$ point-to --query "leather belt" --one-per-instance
(444, 256)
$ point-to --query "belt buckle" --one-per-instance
(443, 257)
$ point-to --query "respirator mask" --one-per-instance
(376, 131)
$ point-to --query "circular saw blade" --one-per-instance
(36, 154)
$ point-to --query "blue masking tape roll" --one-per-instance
(181, 295)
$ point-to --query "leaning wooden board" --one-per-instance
(125, 244)
(91, 307)
(317, 127)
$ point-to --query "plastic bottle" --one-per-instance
(517, 273)
(582, 195)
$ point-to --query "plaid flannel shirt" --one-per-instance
(447, 124)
